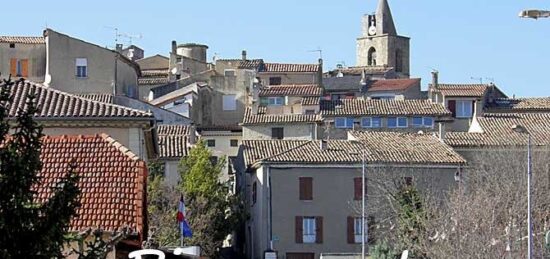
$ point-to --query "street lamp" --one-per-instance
(534, 14)
(521, 129)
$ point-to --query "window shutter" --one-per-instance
(318, 230)
(306, 188)
(451, 105)
(357, 187)
(13, 67)
(351, 230)
(24, 67)
(298, 230)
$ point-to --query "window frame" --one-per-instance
(357, 230)
(275, 80)
(277, 101)
(233, 141)
(232, 106)
(346, 125)
(233, 72)
(309, 230)
(372, 123)
(209, 141)
(282, 130)
(461, 109)
(81, 70)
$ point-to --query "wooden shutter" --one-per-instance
(298, 230)
(357, 188)
(13, 67)
(451, 105)
(24, 67)
(351, 230)
(318, 230)
(306, 188)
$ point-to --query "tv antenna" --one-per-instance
(318, 50)
(480, 79)
(123, 35)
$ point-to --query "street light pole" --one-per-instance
(529, 223)
(363, 209)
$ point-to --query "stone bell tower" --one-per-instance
(379, 44)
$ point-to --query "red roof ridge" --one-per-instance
(111, 141)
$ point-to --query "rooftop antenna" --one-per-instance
(480, 79)
(318, 50)
(490, 79)
(122, 34)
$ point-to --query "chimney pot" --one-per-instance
(435, 79)
(174, 47)
(323, 145)
(243, 53)
(442, 131)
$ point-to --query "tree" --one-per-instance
(29, 228)
(212, 212)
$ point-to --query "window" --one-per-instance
(310, 111)
(372, 57)
(343, 123)
(275, 81)
(358, 230)
(214, 160)
(234, 142)
(19, 67)
(12, 45)
(464, 109)
(254, 193)
(397, 122)
(275, 101)
(306, 188)
(358, 188)
(229, 102)
(398, 61)
(371, 122)
(408, 181)
(308, 228)
(428, 122)
(419, 122)
(229, 72)
(211, 143)
(277, 133)
(81, 67)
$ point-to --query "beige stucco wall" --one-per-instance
(61, 65)
(35, 53)
(333, 194)
(295, 131)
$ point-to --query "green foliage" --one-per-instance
(412, 219)
(382, 251)
(29, 229)
(212, 212)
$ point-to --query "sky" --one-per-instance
(466, 41)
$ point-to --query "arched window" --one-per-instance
(398, 61)
(372, 57)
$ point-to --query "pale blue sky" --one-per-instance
(461, 39)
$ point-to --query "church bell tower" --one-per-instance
(379, 44)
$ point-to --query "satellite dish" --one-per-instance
(47, 79)
(175, 71)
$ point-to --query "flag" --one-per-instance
(185, 230)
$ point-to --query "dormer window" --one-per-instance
(276, 101)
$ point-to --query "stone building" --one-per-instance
(379, 43)
(287, 183)
(23, 57)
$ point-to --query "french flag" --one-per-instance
(185, 230)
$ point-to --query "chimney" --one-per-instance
(435, 79)
(243, 55)
(442, 131)
(323, 145)
(320, 73)
(192, 134)
(255, 107)
(174, 46)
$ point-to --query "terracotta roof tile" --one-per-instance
(112, 181)
(152, 80)
(154, 73)
(360, 107)
(522, 104)
(357, 71)
(281, 68)
(380, 147)
(458, 90)
(22, 40)
(250, 64)
(311, 100)
(262, 118)
(57, 104)
(393, 84)
(172, 146)
(164, 129)
(497, 131)
(103, 98)
(292, 90)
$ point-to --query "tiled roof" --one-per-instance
(262, 118)
(227, 127)
(154, 73)
(360, 107)
(311, 100)
(497, 131)
(393, 84)
(250, 64)
(103, 98)
(179, 93)
(152, 80)
(522, 104)
(112, 181)
(22, 40)
(380, 147)
(357, 71)
(164, 129)
(458, 90)
(173, 140)
(292, 90)
(281, 68)
(402, 148)
(56, 104)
